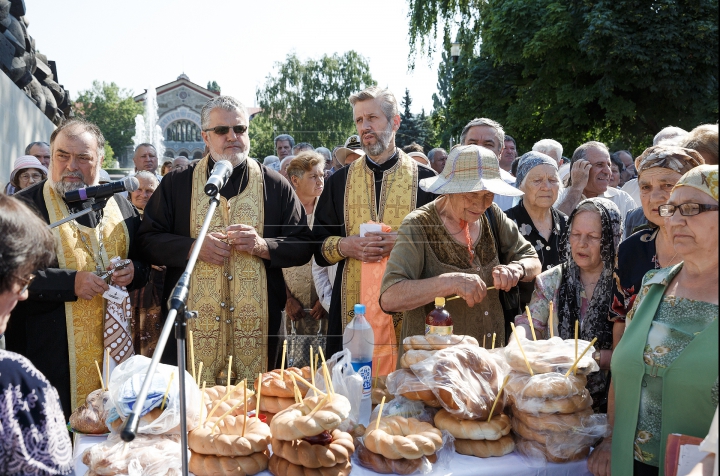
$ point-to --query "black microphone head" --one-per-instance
(131, 184)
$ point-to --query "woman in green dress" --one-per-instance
(665, 368)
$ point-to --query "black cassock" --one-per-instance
(164, 237)
(330, 221)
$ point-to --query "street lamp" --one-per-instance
(455, 51)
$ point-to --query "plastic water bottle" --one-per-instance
(359, 338)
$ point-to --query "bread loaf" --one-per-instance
(296, 423)
(383, 465)
(552, 421)
(280, 384)
(412, 356)
(495, 429)
(90, 417)
(535, 406)
(533, 449)
(302, 453)
(398, 437)
(281, 467)
(485, 448)
(208, 465)
(547, 385)
(225, 440)
(436, 341)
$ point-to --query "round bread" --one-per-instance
(209, 465)
(281, 467)
(495, 429)
(485, 448)
(552, 355)
(225, 440)
(413, 356)
(272, 404)
(404, 382)
(399, 437)
(213, 394)
(552, 421)
(90, 417)
(383, 465)
(296, 423)
(465, 381)
(549, 385)
(574, 404)
(303, 453)
(377, 394)
(436, 341)
(533, 449)
(280, 384)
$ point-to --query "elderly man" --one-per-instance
(180, 163)
(381, 187)
(67, 322)
(490, 134)
(437, 157)
(590, 177)
(258, 229)
(550, 147)
(145, 158)
(284, 163)
(284, 144)
(41, 150)
(509, 153)
(301, 147)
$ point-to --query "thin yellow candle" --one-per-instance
(377, 422)
(296, 390)
(550, 321)
(310, 385)
(202, 403)
(576, 339)
(244, 407)
(199, 373)
(107, 369)
(517, 339)
(320, 404)
(225, 397)
(493, 341)
(102, 382)
(282, 362)
(532, 326)
(574, 367)
(192, 354)
(162, 405)
(257, 401)
(484, 341)
(312, 371)
(498, 397)
(229, 371)
(221, 418)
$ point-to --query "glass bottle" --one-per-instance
(439, 321)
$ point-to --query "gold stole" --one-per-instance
(231, 300)
(398, 197)
(85, 319)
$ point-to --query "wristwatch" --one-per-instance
(523, 268)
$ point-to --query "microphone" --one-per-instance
(129, 184)
(219, 177)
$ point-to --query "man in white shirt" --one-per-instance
(590, 177)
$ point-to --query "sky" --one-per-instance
(147, 43)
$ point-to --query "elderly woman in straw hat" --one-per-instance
(460, 244)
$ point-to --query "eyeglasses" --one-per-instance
(28, 176)
(222, 130)
(25, 282)
(686, 209)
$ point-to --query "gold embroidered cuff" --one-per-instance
(331, 250)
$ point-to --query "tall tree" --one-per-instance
(112, 109)
(408, 131)
(309, 100)
(616, 71)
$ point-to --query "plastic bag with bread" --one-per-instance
(90, 417)
(405, 383)
(551, 355)
(465, 379)
(146, 454)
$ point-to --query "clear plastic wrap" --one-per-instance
(90, 417)
(346, 382)
(551, 355)
(125, 383)
(465, 379)
(550, 385)
(146, 455)
(539, 406)
(406, 408)
(426, 464)
(405, 383)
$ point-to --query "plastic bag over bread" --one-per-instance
(465, 379)
(551, 355)
(405, 383)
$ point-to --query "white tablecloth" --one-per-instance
(461, 465)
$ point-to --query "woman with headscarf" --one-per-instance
(536, 218)
(453, 246)
(659, 168)
(665, 369)
(581, 287)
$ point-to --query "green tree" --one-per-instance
(409, 131)
(112, 109)
(309, 100)
(213, 86)
(109, 160)
(616, 71)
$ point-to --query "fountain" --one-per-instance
(147, 129)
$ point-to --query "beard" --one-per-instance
(382, 141)
(63, 187)
(235, 159)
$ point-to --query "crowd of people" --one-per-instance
(625, 250)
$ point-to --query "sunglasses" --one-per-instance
(686, 209)
(222, 130)
(25, 282)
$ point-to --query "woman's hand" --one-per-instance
(505, 277)
(318, 312)
(469, 287)
(599, 460)
(294, 309)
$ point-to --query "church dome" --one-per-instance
(183, 76)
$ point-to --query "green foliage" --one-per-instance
(112, 109)
(414, 128)
(309, 100)
(213, 86)
(616, 71)
(109, 160)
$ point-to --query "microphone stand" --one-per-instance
(177, 317)
(98, 205)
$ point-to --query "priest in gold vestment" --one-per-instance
(381, 186)
(65, 324)
(258, 228)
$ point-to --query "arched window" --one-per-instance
(183, 131)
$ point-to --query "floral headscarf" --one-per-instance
(669, 157)
(596, 322)
(529, 161)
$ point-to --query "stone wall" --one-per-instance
(31, 71)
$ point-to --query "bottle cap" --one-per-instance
(359, 309)
(440, 301)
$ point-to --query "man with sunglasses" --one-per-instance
(258, 229)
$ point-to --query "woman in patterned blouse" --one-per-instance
(34, 438)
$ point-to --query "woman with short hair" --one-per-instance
(32, 426)
(27, 171)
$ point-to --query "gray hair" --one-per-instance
(227, 103)
(33, 144)
(546, 146)
(325, 152)
(581, 152)
(285, 137)
(286, 160)
(667, 133)
(271, 159)
(431, 154)
(144, 144)
(483, 121)
(146, 174)
(303, 146)
(388, 103)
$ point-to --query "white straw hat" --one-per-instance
(470, 168)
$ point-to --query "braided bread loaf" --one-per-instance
(209, 465)
(552, 421)
(413, 356)
(485, 448)
(573, 404)
(303, 453)
(436, 341)
(399, 437)
(548, 385)
(281, 467)
(225, 440)
(296, 423)
(280, 384)
(383, 465)
(495, 429)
